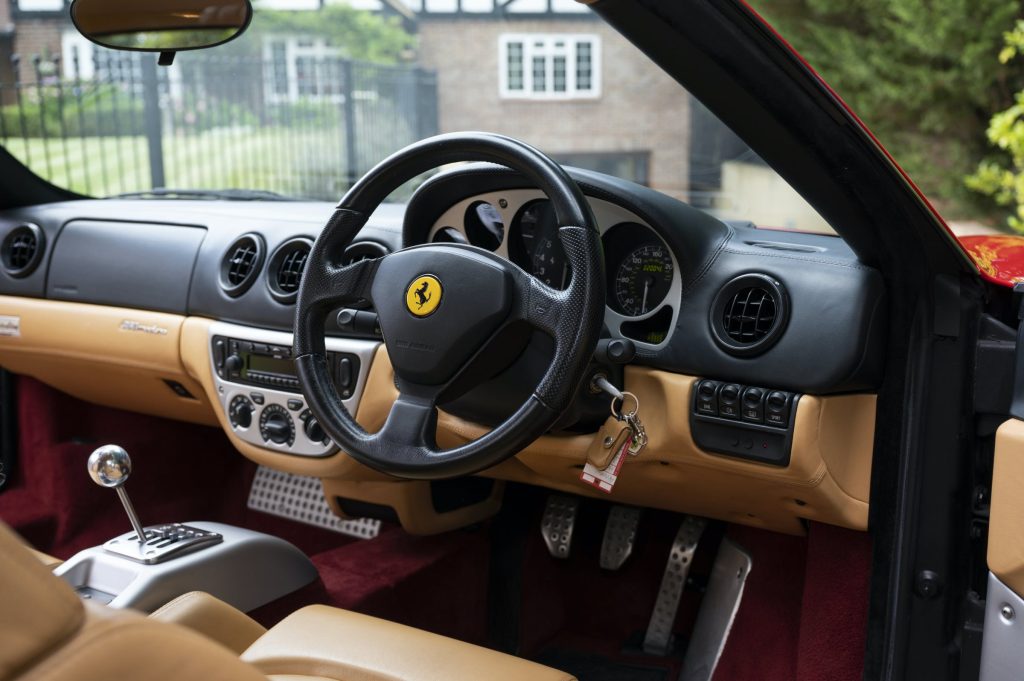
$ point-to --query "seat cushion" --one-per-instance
(39, 612)
(328, 643)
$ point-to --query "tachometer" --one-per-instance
(643, 279)
(539, 251)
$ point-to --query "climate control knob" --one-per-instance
(313, 430)
(276, 425)
(240, 412)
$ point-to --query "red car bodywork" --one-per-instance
(999, 258)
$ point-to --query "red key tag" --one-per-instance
(604, 478)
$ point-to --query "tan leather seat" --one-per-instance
(47, 632)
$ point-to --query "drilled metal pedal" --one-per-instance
(619, 536)
(717, 612)
(557, 523)
(658, 638)
(301, 498)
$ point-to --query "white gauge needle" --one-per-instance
(643, 303)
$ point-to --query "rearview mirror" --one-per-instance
(165, 26)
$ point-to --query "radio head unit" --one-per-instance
(272, 366)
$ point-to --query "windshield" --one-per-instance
(317, 92)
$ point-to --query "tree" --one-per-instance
(921, 73)
(357, 33)
(1003, 179)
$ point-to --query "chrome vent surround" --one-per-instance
(749, 314)
(286, 266)
(22, 250)
(241, 264)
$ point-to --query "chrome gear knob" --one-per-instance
(110, 466)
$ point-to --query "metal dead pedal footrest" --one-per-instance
(658, 638)
(301, 498)
(557, 523)
(619, 536)
(717, 612)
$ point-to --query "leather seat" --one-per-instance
(48, 632)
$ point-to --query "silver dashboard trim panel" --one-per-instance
(1002, 642)
(365, 350)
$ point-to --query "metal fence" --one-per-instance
(120, 123)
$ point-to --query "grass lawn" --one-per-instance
(298, 163)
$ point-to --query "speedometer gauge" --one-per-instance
(643, 280)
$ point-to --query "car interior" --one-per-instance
(520, 421)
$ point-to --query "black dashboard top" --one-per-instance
(781, 309)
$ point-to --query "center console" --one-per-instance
(150, 566)
(259, 390)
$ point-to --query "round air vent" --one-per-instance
(285, 271)
(22, 250)
(363, 250)
(749, 314)
(241, 264)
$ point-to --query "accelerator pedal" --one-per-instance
(717, 612)
(658, 638)
(619, 536)
(301, 498)
(557, 523)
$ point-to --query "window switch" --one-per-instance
(707, 398)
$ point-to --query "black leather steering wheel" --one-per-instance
(439, 305)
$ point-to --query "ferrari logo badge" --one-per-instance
(423, 295)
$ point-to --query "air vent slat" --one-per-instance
(21, 250)
(241, 264)
(748, 314)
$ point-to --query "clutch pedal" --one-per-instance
(619, 536)
(557, 523)
(658, 638)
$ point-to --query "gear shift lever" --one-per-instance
(110, 466)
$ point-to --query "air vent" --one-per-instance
(749, 314)
(286, 265)
(22, 250)
(241, 264)
(363, 250)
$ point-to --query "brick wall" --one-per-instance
(37, 37)
(640, 108)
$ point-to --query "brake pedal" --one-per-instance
(619, 536)
(658, 638)
(557, 523)
(717, 612)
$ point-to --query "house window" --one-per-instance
(549, 66)
(302, 68)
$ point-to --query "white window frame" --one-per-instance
(548, 50)
(319, 51)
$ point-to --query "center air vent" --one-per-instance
(22, 250)
(286, 265)
(241, 264)
(363, 250)
(749, 314)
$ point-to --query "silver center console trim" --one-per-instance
(227, 390)
(246, 569)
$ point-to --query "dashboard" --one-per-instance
(755, 353)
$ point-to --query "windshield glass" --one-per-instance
(316, 92)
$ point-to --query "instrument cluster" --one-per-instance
(643, 282)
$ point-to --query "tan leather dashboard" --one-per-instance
(125, 358)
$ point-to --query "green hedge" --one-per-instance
(94, 111)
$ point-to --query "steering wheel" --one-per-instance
(439, 305)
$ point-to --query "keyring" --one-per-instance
(620, 416)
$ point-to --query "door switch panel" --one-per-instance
(746, 422)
